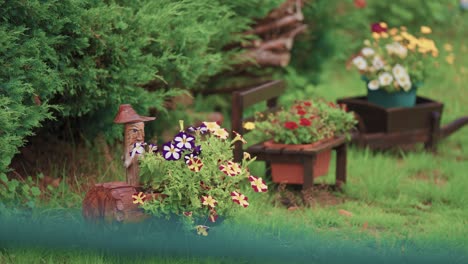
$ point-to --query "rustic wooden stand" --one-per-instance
(112, 201)
(268, 92)
(381, 129)
(306, 157)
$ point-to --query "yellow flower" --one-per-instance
(435, 53)
(393, 31)
(212, 126)
(139, 198)
(426, 30)
(367, 42)
(384, 35)
(209, 201)
(450, 59)
(249, 125)
(247, 156)
(221, 133)
(403, 28)
(448, 47)
(383, 24)
(238, 138)
(375, 35)
(397, 38)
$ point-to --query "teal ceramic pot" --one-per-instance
(389, 100)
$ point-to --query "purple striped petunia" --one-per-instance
(171, 152)
(184, 141)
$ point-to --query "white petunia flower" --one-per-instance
(360, 63)
(378, 63)
(397, 49)
(406, 85)
(385, 79)
(399, 71)
(373, 85)
(367, 52)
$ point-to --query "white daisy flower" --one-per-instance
(360, 63)
(385, 79)
(378, 63)
(406, 86)
(373, 85)
(399, 71)
(367, 52)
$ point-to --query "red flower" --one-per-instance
(360, 3)
(301, 112)
(290, 125)
(344, 107)
(378, 28)
(332, 104)
(213, 215)
(312, 117)
(305, 122)
(298, 107)
(307, 103)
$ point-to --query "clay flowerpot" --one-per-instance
(293, 173)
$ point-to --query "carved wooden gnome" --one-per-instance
(134, 134)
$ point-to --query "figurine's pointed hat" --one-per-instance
(126, 114)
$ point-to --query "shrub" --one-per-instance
(85, 58)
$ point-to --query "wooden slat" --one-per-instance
(261, 93)
(449, 129)
(326, 145)
(389, 140)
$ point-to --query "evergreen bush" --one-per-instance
(78, 60)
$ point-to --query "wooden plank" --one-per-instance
(434, 132)
(449, 129)
(326, 145)
(261, 93)
(308, 163)
(373, 116)
(389, 140)
(236, 123)
(341, 153)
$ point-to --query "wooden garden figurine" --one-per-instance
(134, 133)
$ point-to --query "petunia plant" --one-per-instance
(394, 59)
(196, 175)
(304, 122)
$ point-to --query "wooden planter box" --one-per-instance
(303, 161)
(376, 119)
(382, 129)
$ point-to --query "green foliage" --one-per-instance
(14, 193)
(305, 122)
(85, 58)
(194, 178)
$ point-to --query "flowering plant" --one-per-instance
(196, 174)
(304, 122)
(394, 59)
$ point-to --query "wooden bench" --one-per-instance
(269, 93)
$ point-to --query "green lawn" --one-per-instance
(413, 196)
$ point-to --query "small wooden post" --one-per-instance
(308, 165)
(340, 165)
(134, 133)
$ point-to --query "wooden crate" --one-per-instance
(376, 119)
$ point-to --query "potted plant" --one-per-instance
(394, 64)
(303, 125)
(195, 176)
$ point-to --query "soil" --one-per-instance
(437, 177)
(293, 197)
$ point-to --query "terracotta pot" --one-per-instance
(293, 173)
